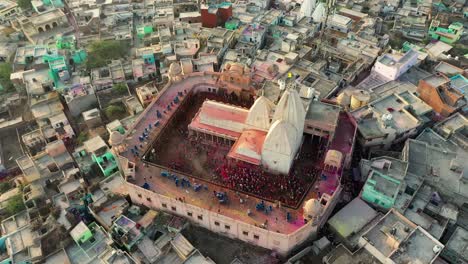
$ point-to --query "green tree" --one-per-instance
(114, 111)
(5, 72)
(15, 205)
(82, 137)
(120, 88)
(5, 186)
(100, 53)
(24, 4)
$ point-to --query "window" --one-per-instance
(216, 223)
(173, 208)
(164, 205)
(200, 217)
(189, 214)
(148, 199)
(256, 237)
(227, 227)
(245, 233)
(139, 195)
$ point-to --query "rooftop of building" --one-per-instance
(47, 16)
(352, 218)
(458, 243)
(437, 165)
(341, 255)
(92, 246)
(323, 112)
(398, 106)
(7, 4)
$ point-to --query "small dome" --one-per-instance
(237, 68)
(175, 69)
(312, 208)
(115, 138)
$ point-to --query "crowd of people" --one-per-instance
(207, 160)
(288, 189)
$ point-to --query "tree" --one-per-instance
(24, 4)
(120, 88)
(82, 137)
(114, 111)
(5, 186)
(15, 205)
(100, 53)
(5, 72)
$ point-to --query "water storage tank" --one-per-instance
(359, 98)
(344, 99)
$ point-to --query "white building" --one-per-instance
(307, 8)
(393, 66)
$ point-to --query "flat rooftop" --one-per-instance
(458, 242)
(323, 112)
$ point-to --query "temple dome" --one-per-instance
(281, 138)
(312, 208)
(291, 110)
(307, 7)
(319, 13)
(259, 114)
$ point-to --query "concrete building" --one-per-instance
(101, 155)
(392, 67)
(215, 15)
(80, 98)
(391, 119)
(436, 91)
(8, 10)
(339, 23)
(92, 118)
(352, 221)
(454, 250)
(392, 239)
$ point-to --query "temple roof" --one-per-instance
(291, 110)
(281, 138)
(259, 114)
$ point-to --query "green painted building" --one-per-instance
(232, 24)
(101, 155)
(106, 163)
(65, 42)
(58, 70)
(143, 31)
(385, 178)
(380, 190)
(448, 35)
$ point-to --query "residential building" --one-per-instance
(101, 155)
(391, 119)
(8, 10)
(448, 35)
(437, 92)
